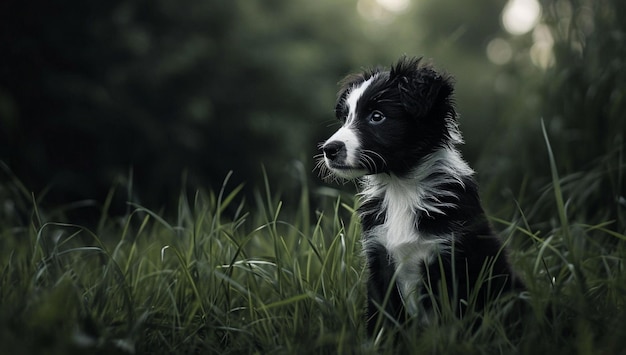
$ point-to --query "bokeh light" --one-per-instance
(394, 5)
(381, 11)
(521, 16)
(541, 53)
(499, 51)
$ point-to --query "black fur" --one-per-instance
(415, 146)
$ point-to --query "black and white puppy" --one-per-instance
(422, 222)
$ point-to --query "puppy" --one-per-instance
(424, 231)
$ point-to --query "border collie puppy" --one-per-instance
(424, 230)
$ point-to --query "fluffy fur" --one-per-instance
(422, 221)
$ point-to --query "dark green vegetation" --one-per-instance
(229, 277)
(89, 90)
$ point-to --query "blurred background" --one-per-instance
(161, 94)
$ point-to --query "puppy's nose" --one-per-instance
(332, 149)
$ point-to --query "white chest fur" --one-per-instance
(404, 200)
(407, 247)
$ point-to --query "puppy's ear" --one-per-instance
(421, 87)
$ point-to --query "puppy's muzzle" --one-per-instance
(335, 151)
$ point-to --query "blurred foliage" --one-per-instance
(581, 97)
(147, 93)
(89, 90)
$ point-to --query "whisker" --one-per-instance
(367, 161)
(320, 164)
(371, 163)
(367, 153)
(335, 123)
(323, 171)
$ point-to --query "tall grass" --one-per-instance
(229, 276)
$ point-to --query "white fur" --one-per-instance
(455, 134)
(353, 97)
(404, 200)
(347, 135)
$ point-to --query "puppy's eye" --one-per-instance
(376, 117)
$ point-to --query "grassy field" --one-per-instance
(228, 276)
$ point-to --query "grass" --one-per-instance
(226, 276)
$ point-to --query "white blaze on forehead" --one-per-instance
(353, 97)
(348, 134)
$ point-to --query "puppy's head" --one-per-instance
(390, 120)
